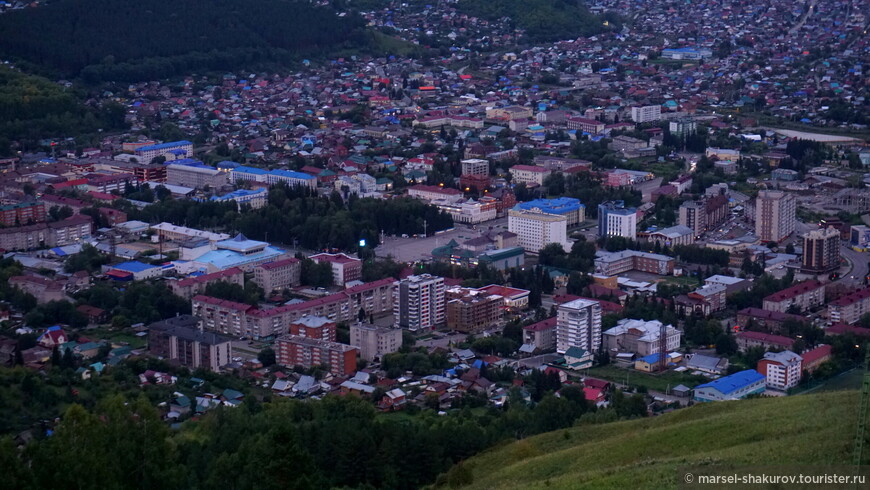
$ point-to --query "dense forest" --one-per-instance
(543, 20)
(33, 108)
(313, 222)
(131, 41)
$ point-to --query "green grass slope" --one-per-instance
(814, 429)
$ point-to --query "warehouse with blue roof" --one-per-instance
(733, 387)
(569, 207)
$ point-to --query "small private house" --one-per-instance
(578, 359)
(733, 387)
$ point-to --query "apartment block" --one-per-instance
(850, 308)
(614, 219)
(472, 311)
(782, 369)
(294, 351)
(314, 327)
(821, 251)
(374, 342)
(803, 296)
(279, 274)
(419, 303)
(647, 113)
(774, 215)
(578, 324)
(180, 339)
(23, 213)
(344, 268)
(191, 286)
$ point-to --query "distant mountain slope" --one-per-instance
(543, 20)
(812, 429)
(142, 39)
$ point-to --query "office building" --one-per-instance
(640, 337)
(173, 150)
(196, 175)
(614, 219)
(419, 303)
(375, 342)
(180, 339)
(613, 263)
(568, 207)
(528, 174)
(535, 230)
(774, 215)
(578, 324)
(821, 251)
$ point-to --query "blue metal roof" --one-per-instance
(250, 170)
(134, 266)
(560, 205)
(736, 381)
(161, 146)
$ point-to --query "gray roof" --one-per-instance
(186, 327)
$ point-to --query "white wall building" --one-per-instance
(535, 230)
(419, 302)
(646, 113)
(578, 324)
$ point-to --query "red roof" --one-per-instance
(842, 328)
(767, 338)
(210, 277)
(796, 290)
(852, 298)
(596, 383)
(814, 355)
(547, 324)
(278, 263)
(593, 394)
(504, 291)
(222, 302)
(530, 168)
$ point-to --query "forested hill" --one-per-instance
(543, 20)
(147, 39)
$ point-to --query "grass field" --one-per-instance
(649, 453)
(658, 382)
(681, 280)
(116, 336)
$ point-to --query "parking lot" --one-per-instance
(413, 249)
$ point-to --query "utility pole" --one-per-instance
(425, 228)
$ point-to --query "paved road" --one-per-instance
(413, 249)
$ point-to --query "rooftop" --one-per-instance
(730, 384)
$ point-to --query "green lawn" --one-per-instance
(681, 280)
(850, 380)
(116, 336)
(657, 382)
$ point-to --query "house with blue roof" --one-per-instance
(134, 271)
(733, 387)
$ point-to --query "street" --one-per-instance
(413, 249)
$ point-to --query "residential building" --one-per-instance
(528, 174)
(578, 324)
(375, 342)
(801, 296)
(23, 213)
(514, 298)
(733, 387)
(821, 251)
(704, 215)
(771, 321)
(535, 230)
(344, 268)
(682, 127)
(180, 339)
(540, 336)
(640, 337)
(850, 308)
(705, 300)
(279, 274)
(173, 150)
(295, 351)
(569, 207)
(614, 219)
(473, 311)
(647, 113)
(782, 370)
(585, 125)
(314, 327)
(419, 303)
(613, 263)
(812, 359)
(747, 340)
(732, 284)
(475, 166)
(860, 236)
(774, 215)
(56, 234)
(196, 176)
(191, 286)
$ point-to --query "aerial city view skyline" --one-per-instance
(372, 244)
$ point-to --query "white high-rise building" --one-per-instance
(475, 166)
(622, 223)
(578, 324)
(774, 215)
(646, 113)
(535, 230)
(419, 302)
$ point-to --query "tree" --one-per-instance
(267, 356)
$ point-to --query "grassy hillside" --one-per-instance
(147, 39)
(814, 429)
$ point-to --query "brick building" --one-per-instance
(294, 351)
(279, 274)
(180, 339)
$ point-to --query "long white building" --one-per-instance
(535, 230)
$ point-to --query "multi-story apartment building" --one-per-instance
(279, 274)
(191, 286)
(528, 174)
(23, 213)
(850, 308)
(821, 251)
(293, 350)
(108, 183)
(803, 296)
(314, 327)
(473, 311)
(196, 175)
(614, 219)
(774, 215)
(419, 303)
(578, 324)
(540, 336)
(782, 369)
(344, 269)
(536, 230)
(647, 113)
(374, 342)
(613, 263)
(57, 234)
(568, 207)
(180, 339)
(475, 166)
(641, 337)
(585, 125)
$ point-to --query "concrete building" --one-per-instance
(733, 387)
(682, 127)
(314, 327)
(578, 324)
(774, 215)
(747, 340)
(568, 207)
(585, 125)
(173, 150)
(294, 351)
(40, 235)
(22, 213)
(191, 286)
(475, 166)
(374, 342)
(803, 296)
(344, 268)
(434, 192)
(195, 176)
(821, 251)
(647, 113)
(705, 214)
(850, 308)
(255, 198)
(180, 339)
(613, 263)
(640, 337)
(470, 211)
(782, 370)
(168, 231)
(535, 230)
(420, 303)
(528, 174)
(614, 219)
(472, 311)
(43, 289)
(540, 337)
(671, 236)
(279, 274)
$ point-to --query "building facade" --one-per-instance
(774, 215)
(180, 339)
(821, 251)
(803, 296)
(294, 351)
(614, 219)
(279, 274)
(374, 342)
(641, 337)
(578, 324)
(850, 308)
(782, 370)
(344, 268)
(420, 303)
(535, 230)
